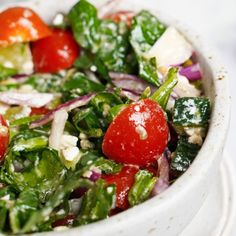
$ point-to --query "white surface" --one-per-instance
(217, 215)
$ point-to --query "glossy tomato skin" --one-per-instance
(138, 135)
(4, 137)
(20, 24)
(123, 181)
(56, 52)
(121, 16)
(39, 111)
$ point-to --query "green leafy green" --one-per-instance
(71, 182)
(85, 25)
(108, 166)
(163, 93)
(145, 31)
(141, 190)
(184, 155)
(26, 204)
(96, 203)
(105, 165)
(192, 111)
(29, 145)
(30, 170)
(45, 83)
(6, 72)
(105, 38)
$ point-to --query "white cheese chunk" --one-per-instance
(170, 49)
(68, 141)
(196, 135)
(185, 89)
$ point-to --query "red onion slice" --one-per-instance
(68, 106)
(192, 72)
(162, 182)
(130, 82)
(26, 99)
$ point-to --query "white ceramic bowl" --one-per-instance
(169, 213)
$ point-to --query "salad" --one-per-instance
(98, 113)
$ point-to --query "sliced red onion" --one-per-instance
(96, 174)
(78, 193)
(162, 182)
(192, 72)
(20, 76)
(68, 106)
(26, 99)
(130, 95)
(130, 82)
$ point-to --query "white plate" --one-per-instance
(217, 215)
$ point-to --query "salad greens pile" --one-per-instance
(43, 183)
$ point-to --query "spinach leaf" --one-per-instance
(85, 25)
(105, 38)
(3, 214)
(87, 122)
(184, 155)
(71, 182)
(6, 72)
(141, 190)
(6, 200)
(114, 45)
(105, 165)
(108, 166)
(192, 111)
(29, 145)
(161, 96)
(96, 204)
(26, 204)
(45, 83)
(145, 31)
(30, 170)
(89, 61)
(78, 84)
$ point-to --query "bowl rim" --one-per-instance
(216, 137)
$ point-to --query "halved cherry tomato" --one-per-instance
(4, 137)
(123, 181)
(125, 16)
(67, 221)
(55, 52)
(138, 135)
(39, 111)
(20, 24)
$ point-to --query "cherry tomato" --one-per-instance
(67, 221)
(39, 111)
(4, 137)
(123, 180)
(125, 16)
(20, 24)
(138, 135)
(55, 52)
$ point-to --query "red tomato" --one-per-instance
(4, 137)
(20, 24)
(67, 221)
(120, 16)
(55, 52)
(123, 181)
(138, 135)
(39, 111)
